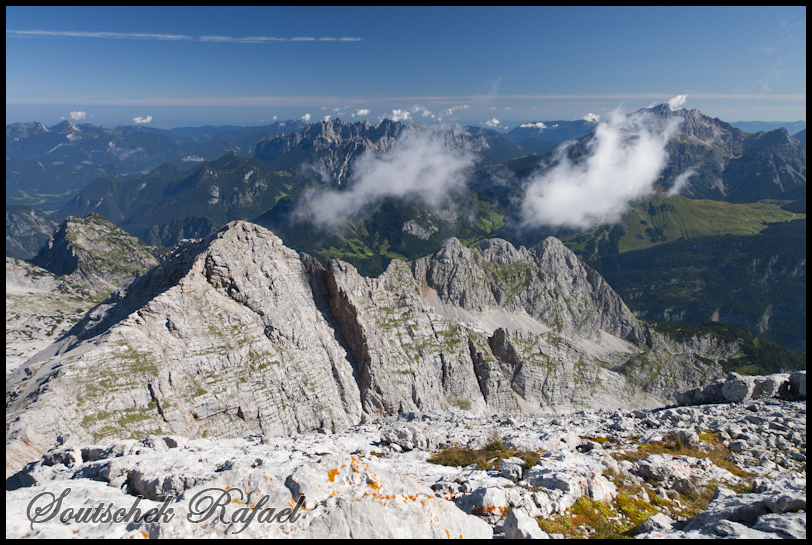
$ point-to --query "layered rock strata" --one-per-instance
(237, 334)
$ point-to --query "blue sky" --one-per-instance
(167, 67)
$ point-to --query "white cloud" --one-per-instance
(327, 117)
(591, 118)
(425, 112)
(361, 112)
(400, 115)
(681, 181)
(306, 118)
(78, 116)
(677, 101)
(81, 34)
(538, 125)
(493, 123)
(621, 163)
(422, 166)
(142, 120)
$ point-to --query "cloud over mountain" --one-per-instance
(677, 101)
(619, 164)
(422, 166)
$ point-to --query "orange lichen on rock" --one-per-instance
(332, 475)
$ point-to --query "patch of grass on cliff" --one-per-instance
(485, 458)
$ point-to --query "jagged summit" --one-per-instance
(330, 148)
(724, 162)
(333, 145)
(236, 334)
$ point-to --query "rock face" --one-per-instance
(237, 334)
(333, 146)
(729, 164)
(27, 229)
(95, 252)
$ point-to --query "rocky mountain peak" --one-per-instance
(95, 250)
(24, 130)
(236, 334)
(333, 145)
(501, 252)
(701, 128)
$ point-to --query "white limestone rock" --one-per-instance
(488, 503)
(518, 525)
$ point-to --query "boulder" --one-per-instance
(654, 523)
(488, 503)
(512, 468)
(738, 388)
(518, 525)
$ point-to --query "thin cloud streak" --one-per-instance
(172, 37)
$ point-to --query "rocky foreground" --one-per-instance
(734, 466)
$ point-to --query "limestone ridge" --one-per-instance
(331, 147)
(727, 162)
(548, 282)
(237, 334)
(334, 145)
(96, 252)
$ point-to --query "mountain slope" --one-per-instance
(27, 229)
(725, 163)
(755, 282)
(96, 253)
(40, 308)
(237, 334)
(168, 204)
(85, 258)
(46, 166)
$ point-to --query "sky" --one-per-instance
(492, 67)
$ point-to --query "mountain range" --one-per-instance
(236, 334)
(733, 185)
(45, 166)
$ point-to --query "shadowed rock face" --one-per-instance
(96, 251)
(27, 229)
(237, 334)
